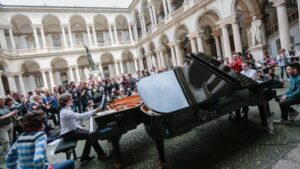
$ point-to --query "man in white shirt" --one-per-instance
(251, 73)
(71, 130)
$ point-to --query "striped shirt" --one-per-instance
(29, 151)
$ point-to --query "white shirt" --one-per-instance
(68, 119)
(251, 73)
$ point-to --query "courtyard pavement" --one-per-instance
(219, 144)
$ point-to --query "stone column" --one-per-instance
(141, 63)
(218, 46)
(122, 67)
(50, 71)
(148, 62)
(12, 39)
(130, 33)
(178, 54)
(283, 23)
(88, 33)
(77, 74)
(71, 74)
(136, 32)
(173, 55)
(37, 43)
(154, 15)
(226, 42)
(117, 68)
(12, 82)
(136, 64)
(70, 36)
(165, 7)
(237, 37)
(193, 44)
(94, 34)
(169, 6)
(200, 43)
(22, 86)
(44, 79)
(2, 92)
(110, 34)
(163, 63)
(158, 59)
(116, 33)
(143, 24)
(43, 37)
(101, 70)
(3, 41)
(64, 35)
(151, 15)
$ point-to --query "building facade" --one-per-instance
(42, 46)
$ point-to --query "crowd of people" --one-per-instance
(60, 115)
(44, 115)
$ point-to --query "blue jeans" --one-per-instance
(67, 164)
(282, 71)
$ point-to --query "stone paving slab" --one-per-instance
(286, 164)
(294, 155)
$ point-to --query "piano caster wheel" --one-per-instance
(117, 165)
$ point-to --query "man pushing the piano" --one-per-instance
(71, 130)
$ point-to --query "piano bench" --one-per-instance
(67, 147)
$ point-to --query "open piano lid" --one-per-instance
(167, 92)
(162, 93)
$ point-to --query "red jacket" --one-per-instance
(237, 65)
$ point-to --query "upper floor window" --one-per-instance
(30, 42)
(39, 81)
(100, 38)
(79, 39)
(56, 40)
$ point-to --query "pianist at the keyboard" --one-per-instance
(70, 129)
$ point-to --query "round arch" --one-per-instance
(145, 10)
(51, 24)
(78, 27)
(164, 41)
(101, 28)
(251, 7)
(127, 61)
(144, 59)
(137, 22)
(207, 26)
(30, 66)
(176, 4)
(21, 24)
(122, 28)
(107, 61)
(60, 71)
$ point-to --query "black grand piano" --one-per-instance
(179, 100)
(123, 115)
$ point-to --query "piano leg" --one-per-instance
(161, 151)
(116, 152)
(264, 112)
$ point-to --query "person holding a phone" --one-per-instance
(6, 126)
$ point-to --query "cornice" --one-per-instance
(12, 8)
(72, 52)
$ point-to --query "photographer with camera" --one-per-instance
(16, 119)
(6, 126)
